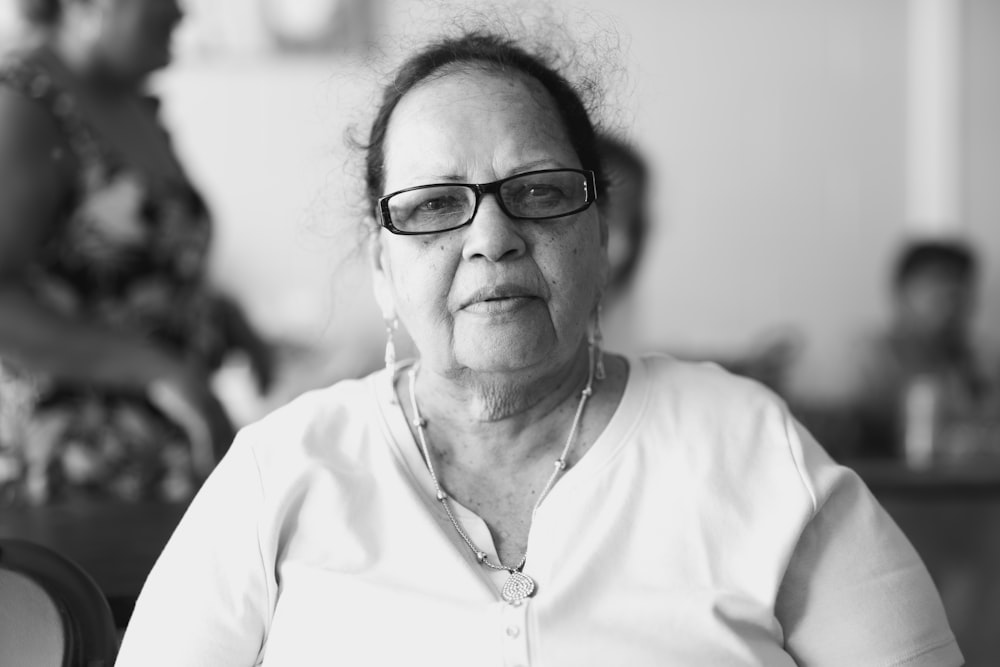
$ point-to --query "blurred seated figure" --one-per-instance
(109, 330)
(922, 376)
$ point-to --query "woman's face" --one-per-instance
(936, 302)
(500, 294)
(135, 35)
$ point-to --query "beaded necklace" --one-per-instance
(518, 585)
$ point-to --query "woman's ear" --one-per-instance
(381, 278)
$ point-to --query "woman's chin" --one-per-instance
(505, 349)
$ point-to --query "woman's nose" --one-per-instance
(492, 234)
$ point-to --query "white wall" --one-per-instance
(982, 144)
(775, 127)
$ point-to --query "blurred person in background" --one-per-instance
(926, 351)
(109, 330)
(625, 204)
(627, 218)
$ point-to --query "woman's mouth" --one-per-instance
(498, 305)
(499, 298)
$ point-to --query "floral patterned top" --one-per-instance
(130, 257)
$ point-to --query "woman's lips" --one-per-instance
(499, 305)
(498, 299)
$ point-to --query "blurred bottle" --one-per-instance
(921, 416)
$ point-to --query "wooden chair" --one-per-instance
(52, 614)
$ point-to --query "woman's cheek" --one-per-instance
(422, 285)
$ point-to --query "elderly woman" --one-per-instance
(514, 497)
(109, 331)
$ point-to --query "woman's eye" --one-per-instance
(439, 205)
(544, 192)
(540, 198)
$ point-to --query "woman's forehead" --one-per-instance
(465, 118)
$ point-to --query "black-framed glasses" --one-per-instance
(442, 207)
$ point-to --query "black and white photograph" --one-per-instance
(501, 333)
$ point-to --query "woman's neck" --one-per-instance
(500, 418)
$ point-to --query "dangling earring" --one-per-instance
(390, 352)
(596, 341)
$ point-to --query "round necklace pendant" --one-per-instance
(517, 587)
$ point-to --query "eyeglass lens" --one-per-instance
(529, 196)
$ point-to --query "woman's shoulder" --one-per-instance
(328, 436)
(714, 419)
(344, 401)
(704, 385)
(329, 423)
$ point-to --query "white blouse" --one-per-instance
(703, 527)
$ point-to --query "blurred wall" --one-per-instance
(776, 132)
(982, 144)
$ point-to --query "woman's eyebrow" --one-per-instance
(544, 163)
(521, 167)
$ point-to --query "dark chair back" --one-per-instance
(52, 613)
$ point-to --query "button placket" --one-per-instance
(514, 633)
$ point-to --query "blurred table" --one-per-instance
(951, 514)
(894, 479)
(115, 543)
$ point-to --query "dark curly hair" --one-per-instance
(40, 12)
(952, 257)
(492, 52)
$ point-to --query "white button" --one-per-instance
(513, 631)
